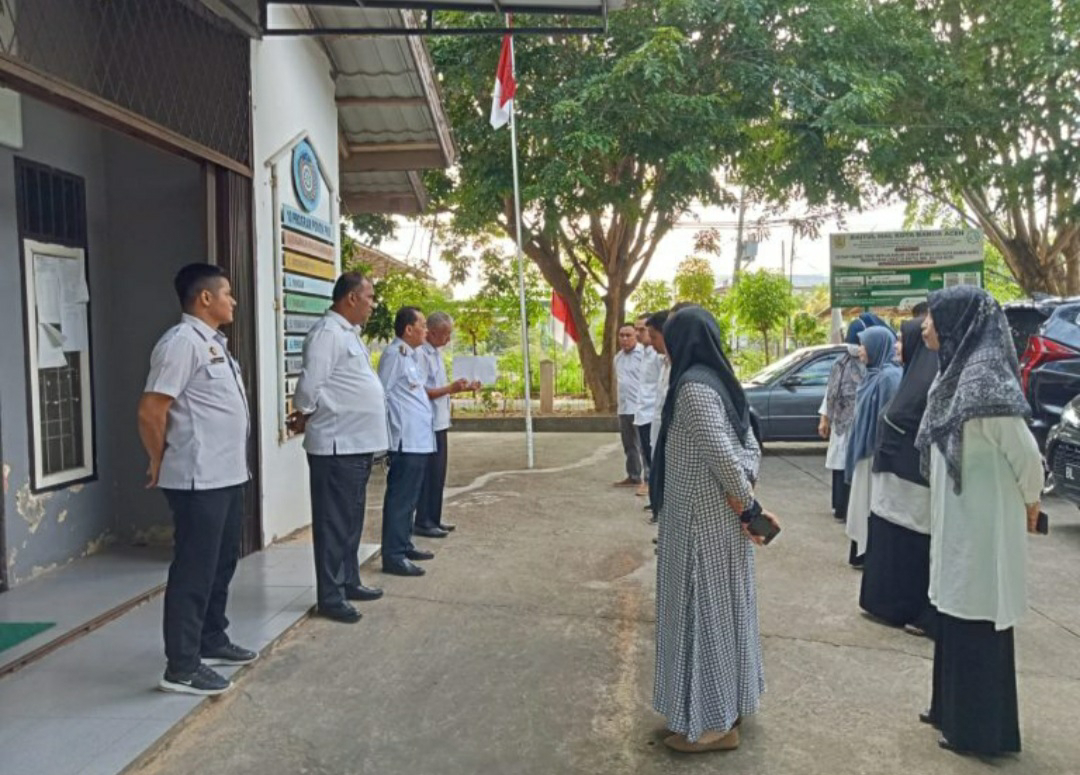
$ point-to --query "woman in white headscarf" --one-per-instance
(986, 477)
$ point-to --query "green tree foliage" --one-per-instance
(397, 290)
(371, 229)
(651, 296)
(973, 104)
(619, 136)
(762, 301)
(807, 330)
(695, 282)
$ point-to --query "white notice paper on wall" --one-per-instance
(475, 368)
(73, 277)
(50, 347)
(73, 326)
(48, 289)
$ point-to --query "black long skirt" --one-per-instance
(896, 574)
(974, 701)
(841, 490)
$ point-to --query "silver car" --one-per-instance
(785, 396)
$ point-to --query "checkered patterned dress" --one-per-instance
(708, 649)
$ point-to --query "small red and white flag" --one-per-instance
(502, 103)
(562, 321)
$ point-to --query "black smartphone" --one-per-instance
(1042, 524)
(764, 527)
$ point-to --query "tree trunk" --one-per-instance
(765, 338)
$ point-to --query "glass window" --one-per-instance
(817, 372)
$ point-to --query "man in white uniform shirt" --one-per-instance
(655, 326)
(341, 407)
(412, 442)
(628, 382)
(194, 422)
(429, 521)
(646, 403)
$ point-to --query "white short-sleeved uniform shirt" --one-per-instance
(208, 424)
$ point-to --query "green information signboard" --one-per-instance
(899, 268)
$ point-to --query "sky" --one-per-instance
(412, 244)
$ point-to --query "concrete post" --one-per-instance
(547, 387)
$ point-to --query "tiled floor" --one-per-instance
(91, 706)
(81, 592)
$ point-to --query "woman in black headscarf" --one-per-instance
(897, 563)
(709, 670)
(985, 474)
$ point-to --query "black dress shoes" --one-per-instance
(360, 592)
(419, 555)
(448, 527)
(344, 613)
(403, 568)
(430, 532)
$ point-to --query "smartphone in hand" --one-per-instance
(764, 527)
(1042, 524)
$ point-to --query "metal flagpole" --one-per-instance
(530, 455)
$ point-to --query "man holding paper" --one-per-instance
(432, 368)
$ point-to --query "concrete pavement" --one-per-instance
(528, 647)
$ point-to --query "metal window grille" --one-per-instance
(52, 208)
(169, 61)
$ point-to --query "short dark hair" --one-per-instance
(347, 283)
(657, 319)
(626, 324)
(404, 318)
(681, 306)
(920, 309)
(193, 279)
(643, 316)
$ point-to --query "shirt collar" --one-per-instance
(399, 342)
(340, 320)
(204, 330)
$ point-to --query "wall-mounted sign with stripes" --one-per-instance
(308, 270)
(309, 285)
(300, 324)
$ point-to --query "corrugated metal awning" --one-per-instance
(390, 115)
(255, 17)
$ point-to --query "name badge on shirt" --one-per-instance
(216, 356)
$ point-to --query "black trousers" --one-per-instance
(207, 529)
(974, 700)
(840, 492)
(644, 433)
(403, 485)
(338, 502)
(631, 446)
(429, 508)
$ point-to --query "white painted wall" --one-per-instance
(292, 92)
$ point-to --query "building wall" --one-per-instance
(156, 224)
(144, 219)
(292, 93)
(45, 530)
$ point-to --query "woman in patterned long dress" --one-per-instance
(709, 670)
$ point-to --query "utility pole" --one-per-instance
(739, 239)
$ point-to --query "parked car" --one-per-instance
(1050, 367)
(785, 396)
(1026, 316)
(1063, 453)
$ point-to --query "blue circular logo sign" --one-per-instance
(305, 174)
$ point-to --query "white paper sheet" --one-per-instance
(73, 274)
(73, 326)
(475, 368)
(48, 290)
(50, 347)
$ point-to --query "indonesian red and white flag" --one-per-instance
(563, 321)
(502, 103)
